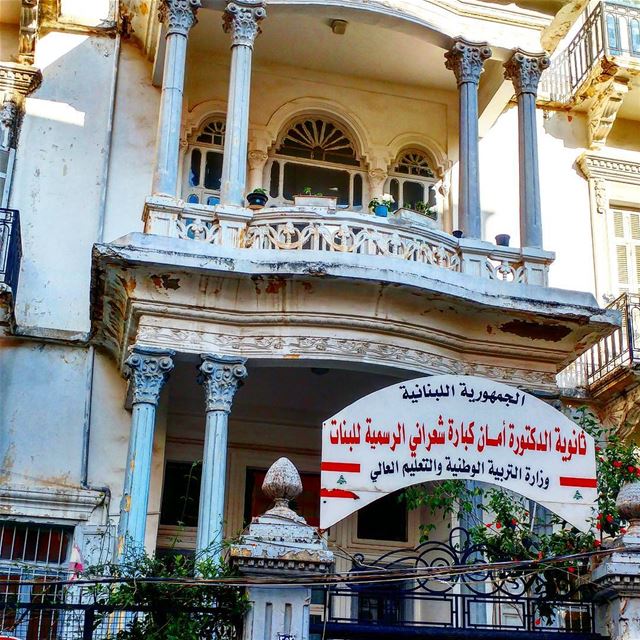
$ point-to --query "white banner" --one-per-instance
(448, 427)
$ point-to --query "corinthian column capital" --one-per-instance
(466, 60)
(524, 70)
(147, 369)
(178, 15)
(242, 20)
(220, 377)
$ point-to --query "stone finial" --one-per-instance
(466, 59)
(524, 70)
(628, 505)
(282, 484)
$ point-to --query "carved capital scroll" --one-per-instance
(178, 15)
(147, 369)
(242, 20)
(466, 60)
(220, 376)
(524, 70)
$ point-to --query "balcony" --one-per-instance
(405, 235)
(10, 252)
(608, 39)
(611, 365)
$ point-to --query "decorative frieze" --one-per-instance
(524, 70)
(220, 377)
(242, 20)
(466, 59)
(178, 15)
(147, 369)
(593, 166)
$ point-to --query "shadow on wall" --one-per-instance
(570, 128)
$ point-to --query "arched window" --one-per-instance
(316, 153)
(203, 164)
(411, 182)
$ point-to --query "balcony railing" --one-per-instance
(610, 30)
(406, 236)
(613, 356)
(10, 250)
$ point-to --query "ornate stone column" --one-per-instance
(466, 60)
(147, 369)
(241, 19)
(618, 576)
(524, 70)
(178, 16)
(257, 159)
(280, 544)
(377, 178)
(16, 82)
(220, 376)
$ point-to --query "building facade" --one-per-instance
(163, 342)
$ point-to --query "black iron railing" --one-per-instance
(610, 30)
(10, 249)
(480, 603)
(614, 354)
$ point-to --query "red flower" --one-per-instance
(609, 518)
(598, 449)
(540, 556)
(598, 526)
(623, 530)
(597, 543)
(599, 516)
(514, 522)
(631, 469)
(498, 525)
(617, 464)
(571, 569)
(537, 620)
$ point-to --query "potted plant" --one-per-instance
(257, 198)
(309, 199)
(425, 209)
(502, 239)
(382, 204)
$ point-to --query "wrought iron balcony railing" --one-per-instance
(611, 30)
(10, 250)
(614, 356)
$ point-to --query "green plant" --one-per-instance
(307, 191)
(425, 209)
(260, 190)
(165, 610)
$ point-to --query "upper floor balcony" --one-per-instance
(593, 70)
(10, 255)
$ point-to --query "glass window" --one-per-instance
(213, 170)
(274, 186)
(330, 182)
(181, 494)
(196, 160)
(357, 190)
(412, 193)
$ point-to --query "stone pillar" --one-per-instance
(524, 70)
(618, 576)
(257, 159)
(147, 369)
(241, 19)
(466, 60)
(178, 16)
(220, 376)
(280, 544)
(377, 178)
(16, 82)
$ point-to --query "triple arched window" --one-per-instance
(316, 154)
(203, 166)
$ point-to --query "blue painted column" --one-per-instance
(466, 60)
(242, 20)
(524, 70)
(147, 369)
(220, 377)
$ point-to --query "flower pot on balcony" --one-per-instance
(257, 199)
(328, 202)
(502, 239)
(381, 210)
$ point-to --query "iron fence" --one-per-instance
(10, 249)
(620, 350)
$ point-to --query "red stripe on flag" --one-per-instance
(338, 493)
(587, 483)
(345, 467)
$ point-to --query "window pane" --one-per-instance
(213, 170)
(211, 200)
(193, 198)
(274, 184)
(194, 173)
(384, 519)
(181, 494)
(412, 192)
(394, 190)
(330, 182)
(357, 190)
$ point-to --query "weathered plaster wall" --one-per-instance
(8, 40)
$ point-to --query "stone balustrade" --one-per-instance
(406, 236)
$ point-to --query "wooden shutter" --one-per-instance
(626, 231)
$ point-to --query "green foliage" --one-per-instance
(508, 530)
(260, 190)
(169, 610)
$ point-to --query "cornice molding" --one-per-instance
(19, 78)
(612, 169)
